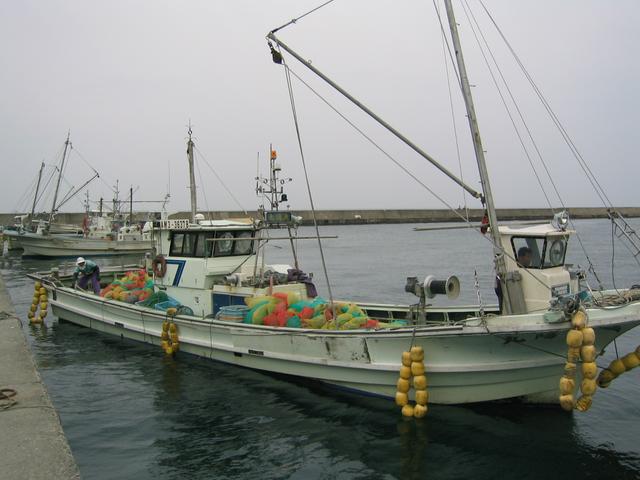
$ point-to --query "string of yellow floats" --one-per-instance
(618, 366)
(581, 342)
(169, 339)
(41, 301)
(412, 372)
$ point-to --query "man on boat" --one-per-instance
(90, 272)
(524, 257)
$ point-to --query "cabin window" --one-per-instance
(528, 251)
(555, 251)
(202, 245)
(189, 245)
(244, 244)
(177, 239)
(224, 244)
(539, 252)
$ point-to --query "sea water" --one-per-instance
(130, 412)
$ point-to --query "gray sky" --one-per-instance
(125, 77)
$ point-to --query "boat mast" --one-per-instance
(192, 178)
(130, 205)
(482, 167)
(35, 197)
(67, 143)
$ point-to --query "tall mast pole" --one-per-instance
(482, 167)
(192, 178)
(131, 205)
(67, 143)
(35, 197)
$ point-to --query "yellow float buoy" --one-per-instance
(419, 411)
(417, 369)
(37, 285)
(588, 353)
(566, 402)
(588, 336)
(406, 359)
(422, 397)
(570, 370)
(630, 361)
(173, 328)
(403, 385)
(567, 386)
(617, 367)
(420, 382)
(405, 372)
(407, 410)
(589, 370)
(574, 338)
(573, 354)
(588, 386)
(605, 377)
(584, 403)
(401, 399)
(579, 320)
(43, 291)
(417, 354)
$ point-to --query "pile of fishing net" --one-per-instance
(135, 286)
(288, 310)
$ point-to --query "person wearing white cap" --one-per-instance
(90, 272)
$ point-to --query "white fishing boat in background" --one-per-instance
(103, 233)
(245, 312)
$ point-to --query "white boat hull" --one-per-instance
(500, 361)
(62, 246)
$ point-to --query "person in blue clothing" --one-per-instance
(89, 272)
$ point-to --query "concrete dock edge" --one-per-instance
(32, 441)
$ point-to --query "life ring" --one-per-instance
(159, 265)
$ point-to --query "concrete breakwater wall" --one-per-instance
(350, 217)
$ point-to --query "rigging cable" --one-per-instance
(472, 20)
(21, 202)
(75, 150)
(220, 180)
(306, 178)
(563, 133)
(204, 192)
(583, 164)
(407, 171)
(294, 20)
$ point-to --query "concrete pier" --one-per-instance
(371, 216)
(32, 442)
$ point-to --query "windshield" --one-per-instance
(539, 252)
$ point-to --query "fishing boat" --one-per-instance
(538, 345)
(101, 234)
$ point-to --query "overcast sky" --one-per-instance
(125, 77)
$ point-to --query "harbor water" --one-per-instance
(130, 412)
